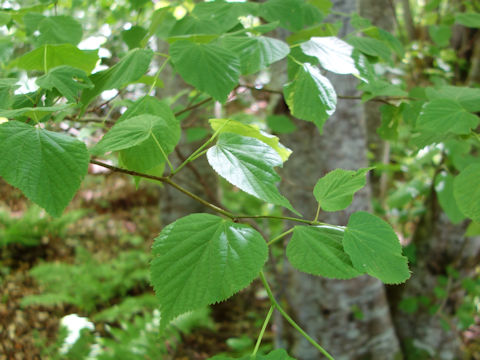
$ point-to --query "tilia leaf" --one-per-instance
(335, 190)
(67, 80)
(47, 167)
(318, 250)
(236, 127)
(310, 95)
(202, 259)
(374, 248)
(466, 189)
(248, 164)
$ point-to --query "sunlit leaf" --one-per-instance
(248, 164)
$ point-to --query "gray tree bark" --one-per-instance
(350, 319)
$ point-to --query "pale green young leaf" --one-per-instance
(48, 57)
(248, 164)
(208, 67)
(446, 116)
(256, 52)
(310, 96)
(236, 127)
(469, 19)
(47, 167)
(129, 69)
(375, 249)
(334, 54)
(466, 189)
(202, 259)
(444, 190)
(67, 80)
(318, 250)
(335, 190)
(59, 29)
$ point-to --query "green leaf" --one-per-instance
(334, 55)
(293, 15)
(444, 190)
(318, 250)
(255, 53)
(134, 36)
(202, 259)
(466, 189)
(67, 80)
(281, 124)
(130, 133)
(236, 127)
(208, 67)
(248, 164)
(50, 56)
(469, 98)
(473, 229)
(469, 19)
(59, 29)
(138, 133)
(335, 190)
(444, 116)
(33, 112)
(129, 69)
(310, 96)
(4, 18)
(374, 248)
(440, 34)
(372, 47)
(278, 354)
(46, 166)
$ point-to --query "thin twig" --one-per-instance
(194, 106)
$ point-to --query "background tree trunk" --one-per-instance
(351, 319)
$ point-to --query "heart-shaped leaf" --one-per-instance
(202, 259)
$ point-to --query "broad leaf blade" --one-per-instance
(129, 69)
(374, 248)
(129, 133)
(46, 166)
(232, 126)
(67, 80)
(147, 155)
(278, 354)
(319, 251)
(208, 67)
(248, 164)
(335, 190)
(444, 190)
(59, 29)
(256, 53)
(466, 189)
(446, 116)
(334, 54)
(310, 96)
(202, 259)
(50, 56)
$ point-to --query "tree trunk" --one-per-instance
(351, 319)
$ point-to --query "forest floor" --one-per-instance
(113, 213)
